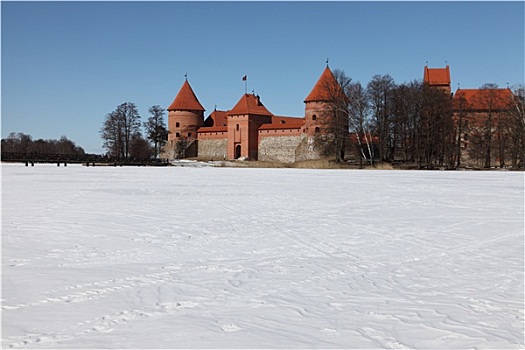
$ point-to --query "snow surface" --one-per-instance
(179, 257)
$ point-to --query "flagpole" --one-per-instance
(246, 85)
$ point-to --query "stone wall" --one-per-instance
(311, 148)
(216, 149)
(169, 151)
(278, 148)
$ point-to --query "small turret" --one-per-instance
(185, 115)
(316, 102)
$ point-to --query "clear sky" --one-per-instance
(65, 65)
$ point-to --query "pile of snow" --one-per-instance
(185, 257)
(191, 163)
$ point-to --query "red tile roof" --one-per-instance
(324, 88)
(217, 118)
(212, 129)
(437, 76)
(186, 100)
(279, 123)
(483, 99)
(249, 104)
(216, 121)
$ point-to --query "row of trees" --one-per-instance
(413, 122)
(24, 143)
(122, 132)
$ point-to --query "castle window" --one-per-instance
(317, 130)
(237, 127)
(314, 117)
(282, 122)
(189, 134)
(177, 134)
(177, 124)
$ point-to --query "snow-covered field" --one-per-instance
(261, 258)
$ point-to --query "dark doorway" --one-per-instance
(237, 151)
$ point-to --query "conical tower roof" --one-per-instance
(325, 88)
(186, 100)
(249, 104)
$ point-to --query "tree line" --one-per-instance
(416, 123)
(24, 143)
(122, 133)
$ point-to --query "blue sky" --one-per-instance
(65, 65)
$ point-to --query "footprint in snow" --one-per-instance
(230, 327)
(330, 333)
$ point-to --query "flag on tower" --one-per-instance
(244, 78)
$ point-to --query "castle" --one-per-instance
(248, 130)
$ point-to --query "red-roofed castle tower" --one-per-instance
(244, 121)
(316, 103)
(185, 115)
(437, 77)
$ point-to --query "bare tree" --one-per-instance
(335, 113)
(18, 143)
(516, 127)
(156, 131)
(406, 109)
(462, 106)
(380, 93)
(489, 100)
(22, 143)
(358, 114)
(112, 135)
(139, 148)
(180, 147)
(119, 128)
(435, 141)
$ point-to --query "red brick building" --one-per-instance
(248, 129)
(479, 116)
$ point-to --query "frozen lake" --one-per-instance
(261, 258)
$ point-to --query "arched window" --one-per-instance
(177, 134)
(317, 130)
(314, 117)
(177, 124)
(237, 127)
